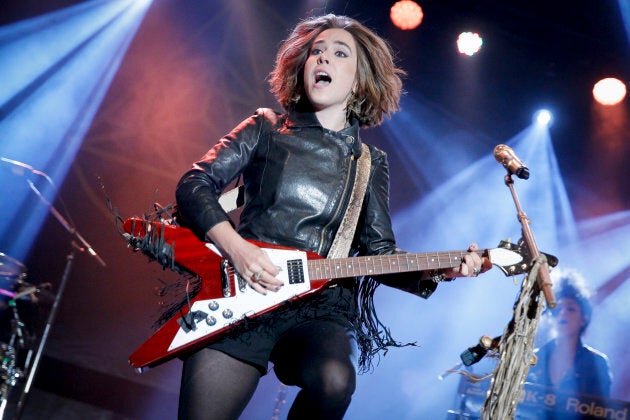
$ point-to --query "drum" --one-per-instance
(9, 372)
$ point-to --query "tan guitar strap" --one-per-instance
(343, 239)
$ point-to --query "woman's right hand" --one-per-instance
(249, 260)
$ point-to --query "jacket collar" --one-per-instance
(299, 119)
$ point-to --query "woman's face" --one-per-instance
(330, 69)
(569, 317)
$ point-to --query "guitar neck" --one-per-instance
(373, 265)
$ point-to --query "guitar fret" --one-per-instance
(367, 265)
(382, 264)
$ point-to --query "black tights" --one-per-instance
(316, 357)
(215, 386)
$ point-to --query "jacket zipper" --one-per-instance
(341, 202)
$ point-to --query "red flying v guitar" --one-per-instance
(224, 299)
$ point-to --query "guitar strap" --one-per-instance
(343, 239)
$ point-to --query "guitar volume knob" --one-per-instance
(227, 314)
(213, 305)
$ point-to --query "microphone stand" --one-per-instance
(32, 370)
(517, 341)
(543, 277)
(42, 342)
(66, 224)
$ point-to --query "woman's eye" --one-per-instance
(316, 51)
(341, 54)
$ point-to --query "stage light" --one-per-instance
(469, 43)
(609, 91)
(543, 117)
(406, 14)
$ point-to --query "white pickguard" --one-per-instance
(226, 311)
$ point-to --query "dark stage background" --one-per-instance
(195, 69)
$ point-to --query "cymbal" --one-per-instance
(29, 292)
(10, 267)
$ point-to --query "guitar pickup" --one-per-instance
(295, 270)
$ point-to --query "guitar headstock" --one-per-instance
(524, 265)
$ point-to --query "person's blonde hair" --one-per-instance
(379, 85)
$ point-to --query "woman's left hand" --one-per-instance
(472, 264)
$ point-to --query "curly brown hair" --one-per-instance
(379, 84)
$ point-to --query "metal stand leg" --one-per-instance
(32, 371)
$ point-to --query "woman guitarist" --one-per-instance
(332, 76)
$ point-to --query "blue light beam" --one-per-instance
(467, 201)
(55, 69)
(624, 9)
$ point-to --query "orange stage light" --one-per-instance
(609, 91)
(406, 14)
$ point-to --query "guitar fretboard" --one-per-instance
(382, 264)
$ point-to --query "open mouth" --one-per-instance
(322, 78)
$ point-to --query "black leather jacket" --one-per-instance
(298, 177)
(590, 373)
